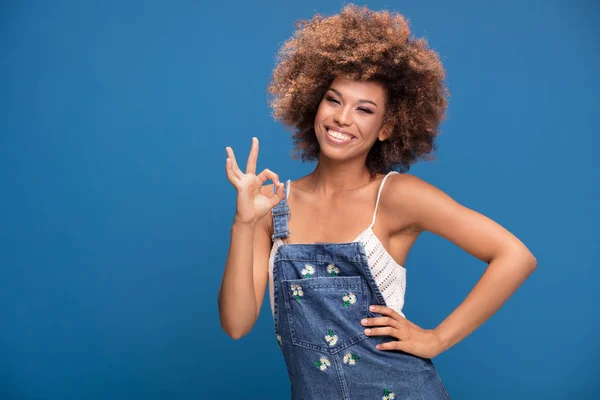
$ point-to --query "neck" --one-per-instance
(331, 177)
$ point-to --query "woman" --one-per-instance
(365, 100)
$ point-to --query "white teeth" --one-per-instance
(338, 135)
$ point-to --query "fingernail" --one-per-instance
(367, 331)
(371, 308)
(363, 321)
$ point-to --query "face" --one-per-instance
(350, 118)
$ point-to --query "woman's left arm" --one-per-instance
(510, 263)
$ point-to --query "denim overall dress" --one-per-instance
(320, 293)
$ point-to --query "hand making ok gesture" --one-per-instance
(251, 204)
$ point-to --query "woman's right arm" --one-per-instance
(246, 269)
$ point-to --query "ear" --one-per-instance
(384, 133)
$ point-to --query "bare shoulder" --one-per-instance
(408, 193)
(431, 209)
(424, 205)
(300, 184)
(404, 196)
(408, 183)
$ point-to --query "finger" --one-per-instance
(230, 174)
(400, 320)
(267, 174)
(236, 170)
(380, 321)
(399, 332)
(277, 196)
(386, 311)
(253, 157)
(383, 331)
(407, 347)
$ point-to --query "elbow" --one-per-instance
(235, 335)
(532, 262)
(521, 258)
(232, 323)
(233, 332)
(528, 260)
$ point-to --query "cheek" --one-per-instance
(321, 115)
(321, 111)
(373, 126)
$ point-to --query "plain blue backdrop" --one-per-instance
(115, 211)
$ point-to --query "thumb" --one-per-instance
(277, 196)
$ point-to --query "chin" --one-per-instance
(334, 152)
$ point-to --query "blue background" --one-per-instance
(115, 210)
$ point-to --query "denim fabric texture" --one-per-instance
(321, 292)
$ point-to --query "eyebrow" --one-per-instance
(360, 101)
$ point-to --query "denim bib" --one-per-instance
(321, 292)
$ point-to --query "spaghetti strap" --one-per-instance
(379, 195)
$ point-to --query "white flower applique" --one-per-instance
(333, 270)
(351, 358)
(323, 363)
(297, 291)
(308, 271)
(279, 340)
(388, 395)
(349, 299)
(331, 338)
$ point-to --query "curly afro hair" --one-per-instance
(360, 44)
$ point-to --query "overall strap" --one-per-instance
(281, 214)
(379, 195)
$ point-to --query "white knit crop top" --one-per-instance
(389, 276)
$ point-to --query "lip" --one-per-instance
(335, 128)
(338, 142)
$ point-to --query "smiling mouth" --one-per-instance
(339, 136)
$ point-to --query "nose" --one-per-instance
(343, 116)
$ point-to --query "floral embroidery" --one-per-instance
(297, 291)
(351, 358)
(279, 340)
(323, 363)
(349, 299)
(331, 338)
(333, 270)
(388, 395)
(308, 271)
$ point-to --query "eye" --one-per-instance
(331, 99)
(366, 110)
